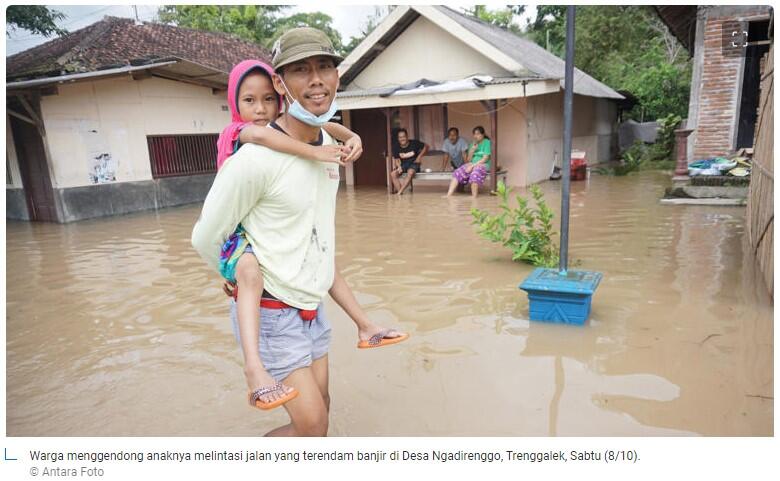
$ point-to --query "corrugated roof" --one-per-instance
(537, 60)
(385, 90)
(115, 42)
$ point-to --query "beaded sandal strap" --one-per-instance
(265, 390)
(377, 338)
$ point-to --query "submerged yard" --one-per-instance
(129, 326)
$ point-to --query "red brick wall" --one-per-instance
(719, 95)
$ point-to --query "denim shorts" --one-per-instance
(406, 165)
(287, 342)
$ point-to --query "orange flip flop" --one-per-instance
(254, 396)
(380, 339)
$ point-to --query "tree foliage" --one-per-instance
(502, 17)
(549, 28)
(262, 24)
(37, 19)
(380, 11)
(627, 48)
(316, 20)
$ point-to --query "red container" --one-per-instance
(579, 165)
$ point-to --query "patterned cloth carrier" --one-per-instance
(232, 250)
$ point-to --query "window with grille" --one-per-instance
(177, 155)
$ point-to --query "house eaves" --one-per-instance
(171, 68)
(447, 92)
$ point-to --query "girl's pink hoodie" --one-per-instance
(230, 133)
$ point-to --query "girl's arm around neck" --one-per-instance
(338, 131)
(275, 140)
(351, 140)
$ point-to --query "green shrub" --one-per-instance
(527, 231)
(664, 143)
(649, 157)
(632, 160)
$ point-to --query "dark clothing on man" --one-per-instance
(405, 166)
(414, 146)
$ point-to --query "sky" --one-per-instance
(347, 19)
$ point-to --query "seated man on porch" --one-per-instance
(407, 156)
(455, 149)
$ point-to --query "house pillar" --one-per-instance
(389, 152)
(681, 142)
(494, 145)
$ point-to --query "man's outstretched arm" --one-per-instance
(344, 297)
(342, 294)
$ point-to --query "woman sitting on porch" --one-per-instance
(475, 170)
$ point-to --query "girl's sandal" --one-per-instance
(255, 401)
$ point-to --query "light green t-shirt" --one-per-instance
(483, 149)
(287, 206)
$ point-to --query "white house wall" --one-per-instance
(513, 140)
(424, 51)
(122, 112)
(591, 131)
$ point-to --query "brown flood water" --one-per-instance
(116, 327)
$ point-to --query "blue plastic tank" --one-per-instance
(557, 297)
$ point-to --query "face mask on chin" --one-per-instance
(297, 111)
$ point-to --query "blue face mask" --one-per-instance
(297, 111)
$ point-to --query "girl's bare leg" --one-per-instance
(474, 189)
(249, 279)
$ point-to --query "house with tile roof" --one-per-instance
(428, 68)
(116, 117)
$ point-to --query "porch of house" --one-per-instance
(429, 123)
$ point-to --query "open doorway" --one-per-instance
(751, 82)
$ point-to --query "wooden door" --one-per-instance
(34, 170)
(371, 126)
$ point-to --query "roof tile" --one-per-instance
(114, 42)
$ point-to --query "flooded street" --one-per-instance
(116, 327)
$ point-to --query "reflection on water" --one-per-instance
(116, 327)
